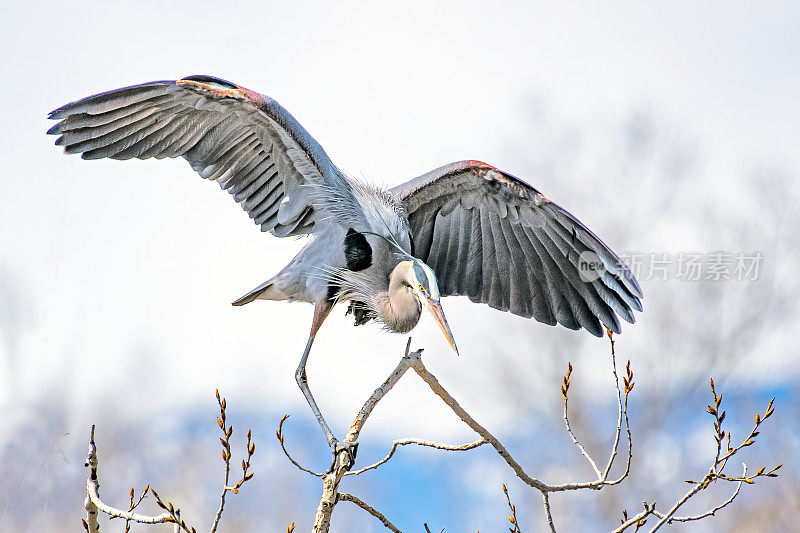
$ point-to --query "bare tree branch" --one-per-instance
(622, 411)
(572, 436)
(419, 442)
(381, 391)
(513, 508)
(225, 440)
(371, 510)
(134, 504)
(710, 512)
(171, 514)
(94, 504)
(436, 387)
(547, 513)
(715, 472)
(439, 390)
(90, 524)
(281, 438)
(638, 520)
(330, 481)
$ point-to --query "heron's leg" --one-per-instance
(321, 310)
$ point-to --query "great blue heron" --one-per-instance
(463, 229)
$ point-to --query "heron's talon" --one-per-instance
(351, 448)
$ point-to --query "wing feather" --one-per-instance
(178, 129)
(541, 308)
(502, 253)
(496, 239)
(489, 262)
(520, 297)
(558, 288)
(246, 142)
(472, 286)
(587, 292)
(461, 252)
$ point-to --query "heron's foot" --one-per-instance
(348, 448)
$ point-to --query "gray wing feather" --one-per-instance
(246, 142)
(499, 241)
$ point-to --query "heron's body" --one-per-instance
(462, 229)
(338, 261)
(304, 278)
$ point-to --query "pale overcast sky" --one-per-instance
(110, 258)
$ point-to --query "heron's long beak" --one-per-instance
(436, 310)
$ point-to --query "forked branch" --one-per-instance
(331, 495)
(623, 389)
(171, 514)
(716, 472)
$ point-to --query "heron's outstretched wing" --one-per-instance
(496, 239)
(246, 142)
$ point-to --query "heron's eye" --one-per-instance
(421, 289)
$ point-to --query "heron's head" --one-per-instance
(422, 284)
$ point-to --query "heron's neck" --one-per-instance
(398, 308)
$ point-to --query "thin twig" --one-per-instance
(668, 517)
(548, 514)
(225, 440)
(436, 387)
(371, 510)
(226, 456)
(134, 505)
(575, 441)
(715, 471)
(615, 446)
(710, 512)
(622, 405)
(127, 515)
(419, 442)
(439, 390)
(513, 508)
(649, 508)
(694, 490)
(380, 392)
(622, 416)
(279, 434)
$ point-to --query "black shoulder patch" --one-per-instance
(357, 251)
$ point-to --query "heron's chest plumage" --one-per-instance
(362, 243)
